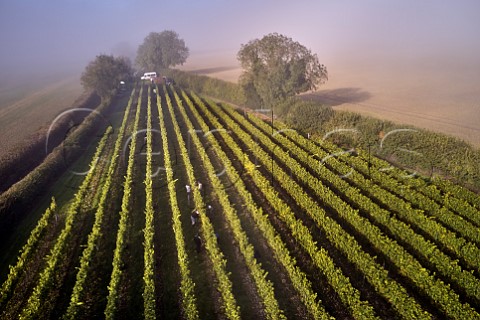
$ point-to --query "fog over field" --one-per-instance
(429, 92)
(407, 61)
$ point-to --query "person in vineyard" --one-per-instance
(256, 254)
(209, 209)
(198, 242)
(200, 187)
(187, 187)
(194, 217)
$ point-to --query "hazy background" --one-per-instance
(409, 61)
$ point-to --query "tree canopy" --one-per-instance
(276, 67)
(105, 73)
(161, 50)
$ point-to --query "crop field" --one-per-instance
(194, 210)
(365, 88)
(34, 107)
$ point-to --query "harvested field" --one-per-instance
(427, 95)
(33, 109)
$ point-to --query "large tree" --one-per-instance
(161, 50)
(276, 67)
(105, 73)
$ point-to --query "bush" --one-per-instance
(430, 153)
(212, 87)
(105, 73)
(309, 116)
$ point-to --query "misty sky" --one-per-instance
(69, 33)
(410, 61)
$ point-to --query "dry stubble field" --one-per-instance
(25, 108)
(420, 92)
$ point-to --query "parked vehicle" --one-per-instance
(149, 76)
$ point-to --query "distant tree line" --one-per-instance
(157, 52)
(275, 67)
(161, 50)
(275, 70)
(105, 73)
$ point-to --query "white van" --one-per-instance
(149, 76)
